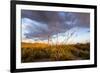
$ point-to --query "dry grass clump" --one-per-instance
(43, 52)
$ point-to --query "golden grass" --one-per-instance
(35, 52)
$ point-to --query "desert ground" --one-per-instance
(41, 52)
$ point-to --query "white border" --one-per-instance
(20, 65)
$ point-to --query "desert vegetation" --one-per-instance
(54, 35)
(40, 52)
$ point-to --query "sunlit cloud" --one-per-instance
(39, 25)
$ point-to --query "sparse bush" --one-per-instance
(55, 53)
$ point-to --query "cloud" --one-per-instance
(41, 24)
(31, 28)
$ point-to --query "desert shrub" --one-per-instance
(32, 54)
(75, 52)
(25, 54)
(40, 53)
(55, 53)
(61, 53)
(83, 46)
(84, 54)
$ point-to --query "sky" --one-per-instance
(60, 27)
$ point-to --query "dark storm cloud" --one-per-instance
(48, 23)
